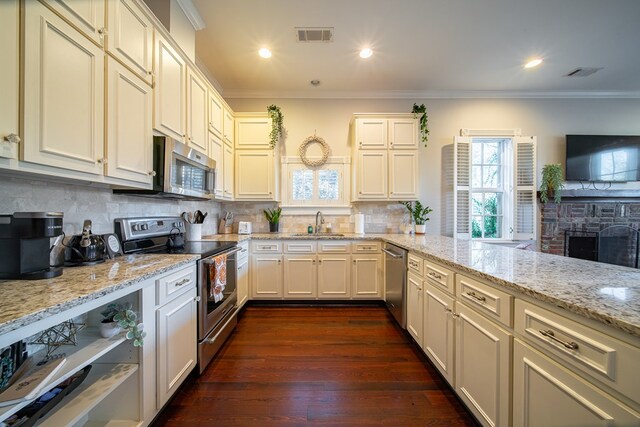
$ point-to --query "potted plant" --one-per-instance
(551, 183)
(273, 216)
(120, 317)
(421, 112)
(419, 214)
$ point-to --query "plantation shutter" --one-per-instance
(524, 198)
(461, 184)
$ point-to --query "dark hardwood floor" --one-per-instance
(294, 366)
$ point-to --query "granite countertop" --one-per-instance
(23, 302)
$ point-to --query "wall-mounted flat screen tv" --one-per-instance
(605, 158)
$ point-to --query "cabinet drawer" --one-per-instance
(170, 286)
(486, 299)
(583, 348)
(267, 247)
(329, 247)
(365, 247)
(243, 255)
(415, 264)
(300, 247)
(440, 276)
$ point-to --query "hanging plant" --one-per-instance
(421, 110)
(551, 182)
(276, 124)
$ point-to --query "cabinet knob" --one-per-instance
(12, 138)
(101, 161)
(152, 173)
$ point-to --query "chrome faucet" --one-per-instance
(319, 223)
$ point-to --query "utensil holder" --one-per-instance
(194, 232)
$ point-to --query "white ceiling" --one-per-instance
(422, 48)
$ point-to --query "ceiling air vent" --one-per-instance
(314, 35)
(583, 72)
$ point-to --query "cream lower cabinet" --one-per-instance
(300, 276)
(243, 274)
(170, 79)
(438, 330)
(63, 94)
(547, 394)
(9, 78)
(366, 278)
(266, 276)
(334, 274)
(415, 307)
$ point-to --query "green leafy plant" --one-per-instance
(276, 124)
(273, 215)
(418, 212)
(551, 182)
(126, 319)
(421, 110)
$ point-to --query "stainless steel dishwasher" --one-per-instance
(395, 267)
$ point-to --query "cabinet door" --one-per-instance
(438, 330)
(371, 175)
(197, 99)
(483, 361)
(129, 130)
(403, 134)
(228, 127)
(243, 282)
(253, 133)
(371, 133)
(63, 94)
(229, 168)
(9, 78)
(216, 114)
(545, 394)
(86, 15)
(169, 90)
(216, 152)
(130, 37)
(300, 276)
(176, 344)
(366, 276)
(334, 276)
(266, 276)
(254, 175)
(415, 307)
(403, 175)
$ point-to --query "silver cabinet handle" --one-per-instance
(434, 275)
(476, 297)
(550, 334)
(392, 254)
(183, 282)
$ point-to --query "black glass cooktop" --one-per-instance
(159, 245)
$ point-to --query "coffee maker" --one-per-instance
(25, 243)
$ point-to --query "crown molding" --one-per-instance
(192, 14)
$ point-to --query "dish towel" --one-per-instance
(217, 278)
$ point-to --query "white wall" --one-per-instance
(548, 119)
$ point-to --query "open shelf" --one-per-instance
(91, 346)
(101, 381)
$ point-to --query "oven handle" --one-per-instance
(231, 252)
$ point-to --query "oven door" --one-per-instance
(212, 309)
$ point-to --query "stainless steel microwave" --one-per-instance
(180, 172)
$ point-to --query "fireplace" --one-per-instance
(617, 244)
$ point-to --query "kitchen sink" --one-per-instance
(317, 235)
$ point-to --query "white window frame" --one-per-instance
(342, 206)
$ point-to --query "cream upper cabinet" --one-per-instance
(63, 94)
(366, 277)
(371, 133)
(438, 330)
(129, 131)
(86, 15)
(130, 37)
(9, 77)
(334, 276)
(403, 174)
(229, 168)
(216, 152)
(169, 92)
(415, 307)
(255, 175)
(252, 132)
(300, 276)
(403, 134)
(197, 124)
(216, 114)
(228, 125)
(371, 174)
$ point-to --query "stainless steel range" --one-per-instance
(216, 311)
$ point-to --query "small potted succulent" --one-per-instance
(273, 217)
(419, 214)
(120, 317)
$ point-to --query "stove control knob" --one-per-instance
(145, 226)
(176, 224)
(135, 227)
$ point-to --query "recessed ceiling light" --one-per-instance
(366, 53)
(264, 52)
(533, 63)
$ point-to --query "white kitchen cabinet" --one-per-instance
(130, 37)
(371, 133)
(229, 167)
(545, 394)
(129, 130)
(86, 15)
(228, 127)
(9, 78)
(216, 114)
(170, 78)
(483, 366)
(266, 276)
(403, 174)
(197, 124)
(300, 276)
(415, 307)
(216, 152)
(252, 132)
(371, 174)
(366, 277)
(334, 276)
(255, 175)
(438, 330)
(63, 94)
(243, 274)
(403, 134)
